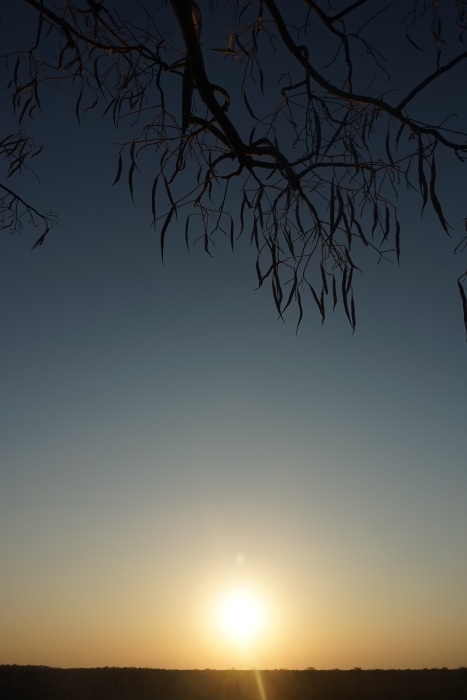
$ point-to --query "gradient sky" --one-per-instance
(156, 421)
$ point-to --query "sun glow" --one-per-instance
(241, 616)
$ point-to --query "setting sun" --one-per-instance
(241, 615)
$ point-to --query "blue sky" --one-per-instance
(158, 420)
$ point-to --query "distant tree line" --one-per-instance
(45, 683)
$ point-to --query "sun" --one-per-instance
(241, 615)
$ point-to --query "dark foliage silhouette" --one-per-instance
(306, 159)
(43, 683)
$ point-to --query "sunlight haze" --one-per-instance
(188, 483)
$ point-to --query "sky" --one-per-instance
(166, 442)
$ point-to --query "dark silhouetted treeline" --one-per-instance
(45, 683)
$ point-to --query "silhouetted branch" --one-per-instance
(320, 172)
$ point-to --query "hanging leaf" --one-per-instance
(292, 292)
(288, 239)
(300, 309)
(352, 209)
(119, 170)
(434, 199)
(254, 233)
(375, 219)
(388, 224)
(88, 109)
(348, 231)
(153, 199)
(231, 234)
(399, 134)
(352, 313)
(130, 180)
(363, 132)
(413, 42)
(40, 241)
(262, 277)
(78, 102)
(421, 174)
(388, 150)
(354, 153)
(334, 292)
(331, 209)
(169, 193)
(23, 112)
(109, 106)
(242, 208)
(344, 294)
(337, 131)
(323, 277)
(322, 306)
(252, 115)
(349, 281)
(464, 301)
(277, 294)
(319, 304)
(164, 230)
(340, 211)
(187, 223)
(360, 231)
(297, 217)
